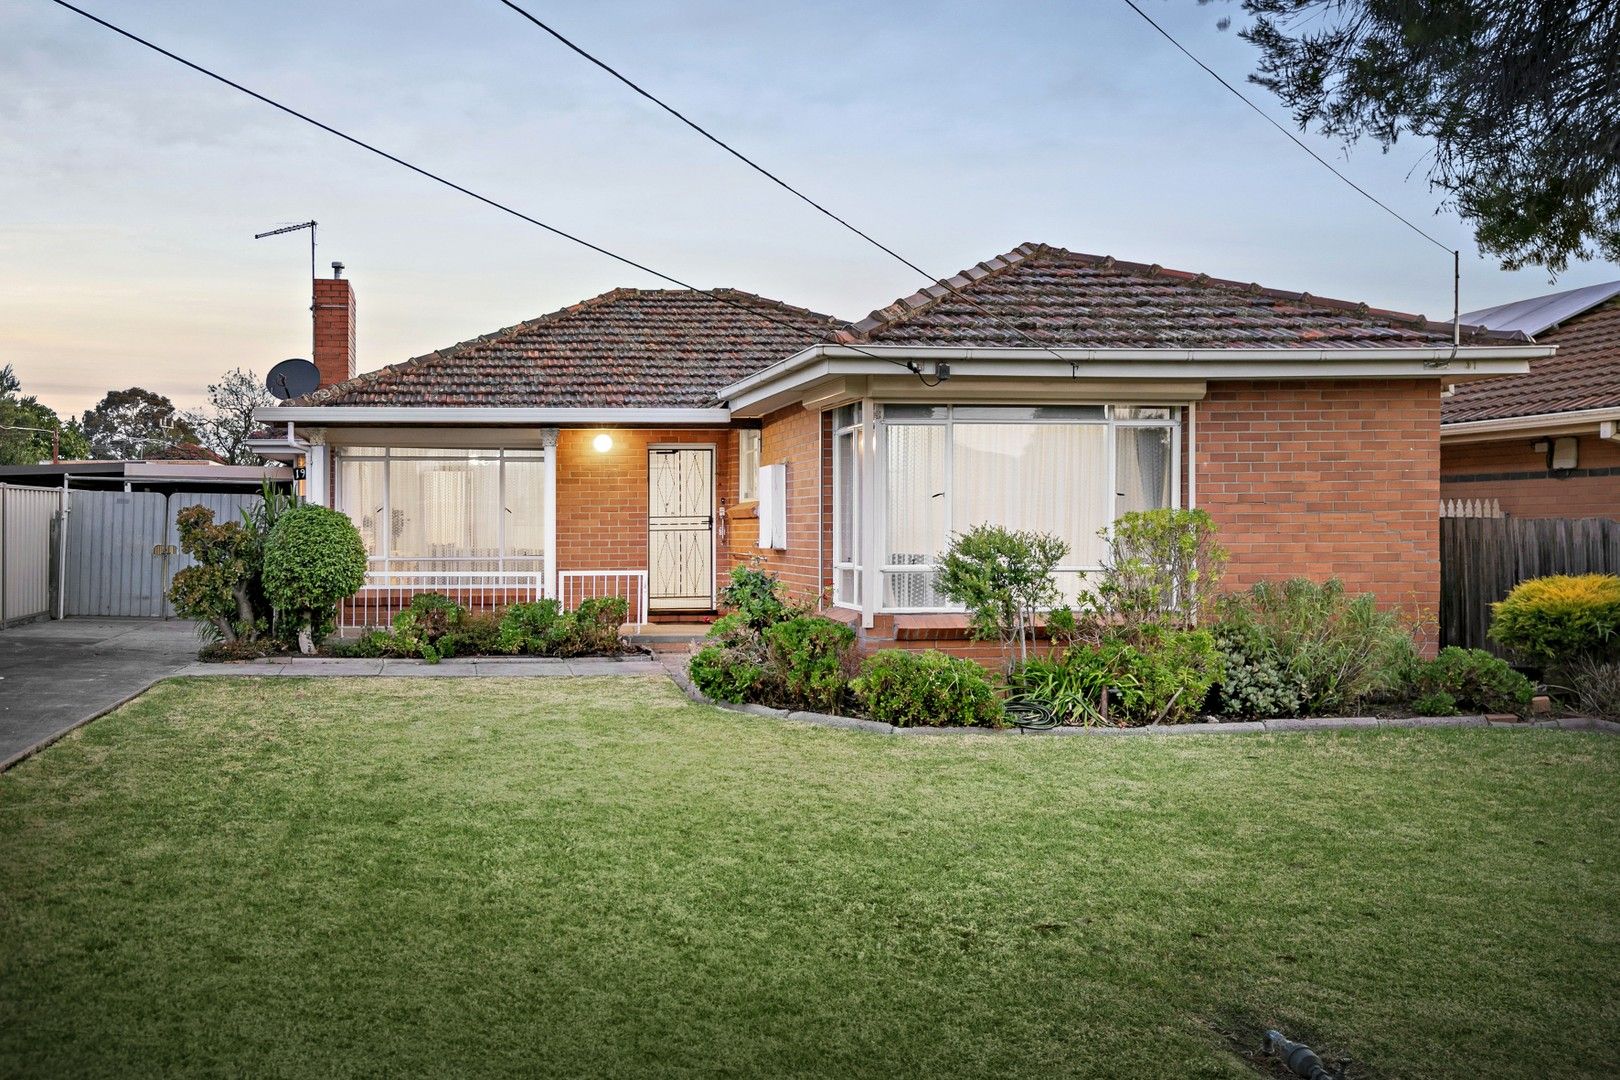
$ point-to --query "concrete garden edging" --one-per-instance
(1236, 727)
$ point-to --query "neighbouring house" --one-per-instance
(1545, 443)
(645, 441)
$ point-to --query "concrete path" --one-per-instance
(511, 667)
(54, 676)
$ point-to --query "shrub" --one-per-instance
(422, 628)
(1472, 679)
(926, 689)
(811, 659)
(313, 561)
(1163, 678)
(219, 589)
(1595, 686)
(1256, 682)
(372, 643)
(728, 672)
(1435, 703)
(591, 629)
(1003, 577)
(1551, 620)
(526, 628)
(1305, 648)
(1163, 567)
(756, 596)
(475, 634)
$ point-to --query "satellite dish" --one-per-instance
(292, 378)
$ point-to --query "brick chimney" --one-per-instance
(334, 327)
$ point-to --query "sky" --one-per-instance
(132, 187)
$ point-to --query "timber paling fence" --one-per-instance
(1481, 559)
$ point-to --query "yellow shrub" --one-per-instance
(1553, 620)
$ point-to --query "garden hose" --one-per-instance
(1300, 1059)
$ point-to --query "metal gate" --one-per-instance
(123, 548)
(27, 515)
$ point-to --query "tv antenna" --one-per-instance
(310, 225)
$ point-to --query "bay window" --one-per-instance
(1067, 470)
(435, 510)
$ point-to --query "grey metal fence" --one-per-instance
(28, 518)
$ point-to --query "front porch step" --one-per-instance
(668, 637)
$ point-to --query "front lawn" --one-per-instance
(542, 877)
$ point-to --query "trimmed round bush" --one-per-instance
(313, 561)
(1558, 619)
(926, 689)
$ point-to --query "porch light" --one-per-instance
(603, 443)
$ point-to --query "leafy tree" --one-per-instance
(20, 447)
(1522, 101)
(225, 423)
(1004, 578)
(134, 423)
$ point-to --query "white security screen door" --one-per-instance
(680, 529)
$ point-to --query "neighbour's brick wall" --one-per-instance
(1513, 472)
(1326, 479)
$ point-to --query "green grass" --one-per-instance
(596, 878)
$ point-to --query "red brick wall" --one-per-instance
(1476, 471)
(1327, 479)
(334, 330)
(797, 438)
(602, 496)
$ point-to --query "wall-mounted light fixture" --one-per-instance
(603, 442)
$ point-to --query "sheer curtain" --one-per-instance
(1142, 468)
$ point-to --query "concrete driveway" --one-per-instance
(56, 675)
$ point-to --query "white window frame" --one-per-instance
(383, 561)
(872, 475)
(852, 562)
(748, 465)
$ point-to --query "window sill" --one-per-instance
(749, 509)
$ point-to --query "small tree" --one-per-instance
(313, 561)
(1003, 577)
(219, 589)
(1163, 566)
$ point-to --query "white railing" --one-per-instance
(388, 592)
(576, 585)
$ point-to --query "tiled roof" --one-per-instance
(626, 348)
(1583, 374)
(1040, 295)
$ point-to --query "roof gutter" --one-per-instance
(1540, 423)
(474, 415)
(1440, 361)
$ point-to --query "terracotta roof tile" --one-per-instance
(1058, 297)
(625, 348)
(1583, 374)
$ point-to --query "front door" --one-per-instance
(680, 529)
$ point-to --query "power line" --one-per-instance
(763, 171)
(435, 177)
(1324, 162)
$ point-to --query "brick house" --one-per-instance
(1545, 443)
(645, 441)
